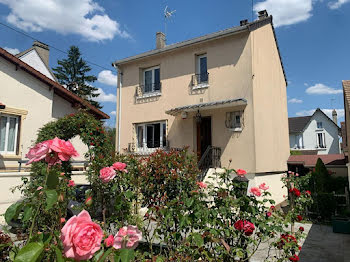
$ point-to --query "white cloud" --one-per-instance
(286, 12)
(13, 51)
(113, 113)
(107, 77)
(328, 112)
(337, 4)
(103, 97)
(83, 17)
(321, 89)
(295, 101)
(306, 84)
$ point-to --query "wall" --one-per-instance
(330, 130)
(270, 103)
(21, 91)
(229, 67)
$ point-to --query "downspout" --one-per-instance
(119, 106)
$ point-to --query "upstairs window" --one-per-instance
(202, 69)
(151, 80)
(319, 125)
(8, 134)
(321, 140)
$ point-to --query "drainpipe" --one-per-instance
(119, 106)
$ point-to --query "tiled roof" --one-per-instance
(58, 89)
(311, 160)
(297, 124)
(346, 88)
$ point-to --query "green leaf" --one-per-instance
(197, 239)
(128, 194)
(30, 252)
(59, 255)
(12, 212)
(51, 198)
(124, 255)
(159, 259)
(52, 180)
(105, 255)
(27, 214)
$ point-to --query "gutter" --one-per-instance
(119, 106)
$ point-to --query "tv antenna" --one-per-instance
(167, 15)
(332, 101)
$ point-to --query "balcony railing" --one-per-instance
(199, 79)
(149, 89)
(210, 159)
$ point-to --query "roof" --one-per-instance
(223, 33)
(298, 124)
(209, 105)
(311, 160)
(58, 89)
(346, 88)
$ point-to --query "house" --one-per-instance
(316, 134)
(30, 98)
(223, 95)
(346, 93)
(344, 143)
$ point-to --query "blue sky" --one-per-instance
(313, 36)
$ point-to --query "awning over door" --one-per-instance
(206, 106)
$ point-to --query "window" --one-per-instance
(151, 80)
(202, 69)
(8, 134)
(321, 141)
(234, 120)
(151, 135)
(319, 125)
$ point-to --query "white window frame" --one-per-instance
(323, 140)
(199, 85)
(6, 152)
(153, 78)
(144, 147)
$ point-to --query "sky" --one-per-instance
(313, 37)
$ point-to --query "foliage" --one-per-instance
(5, 246)
(72, 72)
(295, 152)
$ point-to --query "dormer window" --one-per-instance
(151, 80)
(319, 125)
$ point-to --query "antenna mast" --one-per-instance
(167, 15)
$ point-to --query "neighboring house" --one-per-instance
(29, 100)
(223, 95)
(316, 134)
(346, 93)
(344, 143)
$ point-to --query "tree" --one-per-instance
(72, 73)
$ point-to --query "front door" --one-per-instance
(203, 136)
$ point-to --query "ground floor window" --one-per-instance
(151, 135)
(9, 126)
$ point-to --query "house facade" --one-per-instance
(29, 100)
(222, 95)
(316, 134)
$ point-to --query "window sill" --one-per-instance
(147, 95)
(11, 157)
(237, 129)
(200, 86)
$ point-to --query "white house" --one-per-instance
(30, 98)
(315, 134)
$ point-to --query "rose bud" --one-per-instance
(88, 201)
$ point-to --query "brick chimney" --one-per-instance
(160, 40)
(262, 14)
(243, 22)
(335, 117)
(43, 50)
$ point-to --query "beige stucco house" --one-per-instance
(29, 98)
(223, 95)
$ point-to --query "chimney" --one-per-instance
(263, 14)
(243, 22)
(43, 50)
(160, 40)
(334, 116)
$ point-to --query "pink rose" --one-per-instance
(64, 149)
(268, 214)
(119, 166)
(109, 241)
(71, 183)
(202, 184)
(263, 186)
(81, 237)
(239, 225)
(39, 188)
(127, 237)
(107, 174)
(241, 172)
(62, 220)
(248, 228)
(255, 191)
(39, 151)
